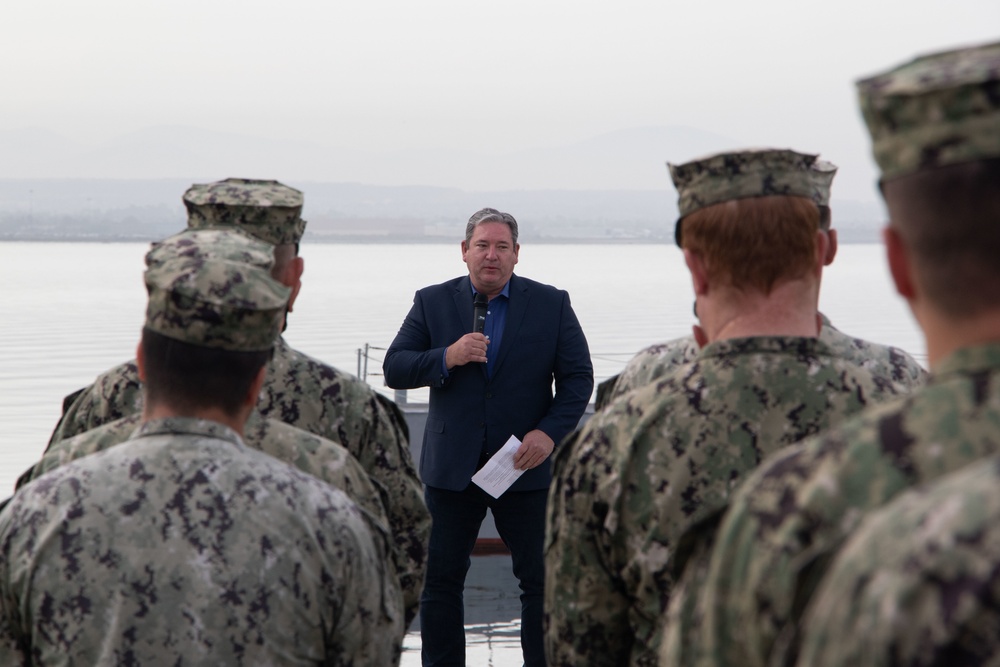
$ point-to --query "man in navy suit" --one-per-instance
(485, 387)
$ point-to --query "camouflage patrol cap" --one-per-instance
(266, 209)
(761, 172)
(934, 111)
(219, 243)
(215, 302)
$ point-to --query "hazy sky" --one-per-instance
(494, 77)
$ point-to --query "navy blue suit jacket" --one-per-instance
(469, 413)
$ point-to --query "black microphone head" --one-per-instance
(481, 301)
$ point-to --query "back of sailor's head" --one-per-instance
(935, 128)
(268, 210)
(752, 215)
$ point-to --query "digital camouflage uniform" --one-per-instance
(793, 514)
(183, 546)
(787, 522)
(308, 394)
(884, 361)
(319, 457)
(918, 583)
(685, 615)
(641, 487)
(299, 390)
(663, 459)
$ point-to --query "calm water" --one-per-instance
(71, 311)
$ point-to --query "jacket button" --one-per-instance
(489, 395)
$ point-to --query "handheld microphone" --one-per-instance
(479, 313)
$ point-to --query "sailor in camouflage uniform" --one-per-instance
(184, 546)
(322, 458)
(665, 458)
(299, 390)
(660, 359)
(935, 126)
(918, 583)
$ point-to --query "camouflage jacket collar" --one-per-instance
(281, 347)
(968, 360)
(797, 345)
(188, 426)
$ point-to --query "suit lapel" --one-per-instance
(516, 309)
(463, 305)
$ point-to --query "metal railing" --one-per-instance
(400, 396)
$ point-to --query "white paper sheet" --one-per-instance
(499, 472)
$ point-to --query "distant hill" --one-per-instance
(614, 186)
(101, 210)
(628, 159)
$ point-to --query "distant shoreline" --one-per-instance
(345, 241)
(848, 236)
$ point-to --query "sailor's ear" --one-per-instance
(253, 393)
(140, 362)
(699, 274)
(900, 265)
(822, 251)
(700, 336)
(293, 279)
(831, 248)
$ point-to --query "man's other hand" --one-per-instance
(534, 449)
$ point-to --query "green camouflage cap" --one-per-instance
(936, 110)
(761, 172)
(219, 243)
(216, 302)
(266, 209)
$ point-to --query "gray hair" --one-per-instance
(490, 215)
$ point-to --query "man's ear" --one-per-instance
(900, 263)
(253, 393)
(293, 278)
(700, 336)
(699, 274)
(140, 362)
(822, 252)
(831, 248)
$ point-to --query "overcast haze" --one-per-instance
(458, 93)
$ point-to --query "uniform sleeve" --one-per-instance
(387, 460)
(586, 605)
(916, 584)
(686, 613)
(574, 377)
(11, 654)
(776, 541)
(368, 627)
(12, 651)
(310, 395)
(750, 583)
(410, 361)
